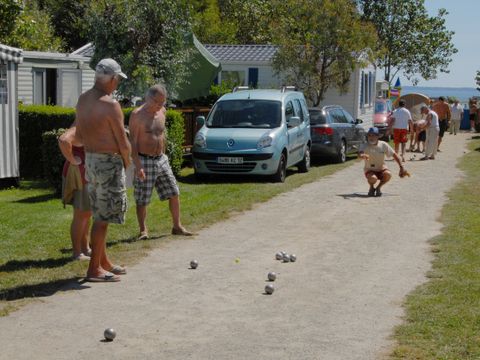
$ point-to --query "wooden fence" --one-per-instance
(191, 126)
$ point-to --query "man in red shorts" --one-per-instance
(402, 121)
(374, 153)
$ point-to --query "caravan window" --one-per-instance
(3, 84)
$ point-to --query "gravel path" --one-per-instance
(357, 259)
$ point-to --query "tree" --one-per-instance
(68, 20)
(320, 44)
(410, 40)
(25, 26)
(149, 38)
(232, 21)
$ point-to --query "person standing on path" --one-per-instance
(75, 192)
(457, 112)
(152, 169)
(374, 153)
(402, 121)
(101, 130)
(473, 111)
(433, 130)
(442, 109)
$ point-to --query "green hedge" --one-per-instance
(34, 120)
(53, 159)
(41, 126)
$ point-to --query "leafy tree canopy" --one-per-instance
(149, 38)
(410, 39)
(25, 26)
(320, 44)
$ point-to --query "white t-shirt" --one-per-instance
(457, 112)
(376, 154)
(401, 116)
(434, 123)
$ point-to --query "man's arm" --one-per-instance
(119, 134)
(134, 138)
(65, 143)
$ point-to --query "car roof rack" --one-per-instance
(289, 88)
(240, 88)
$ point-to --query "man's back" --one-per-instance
(95, 113)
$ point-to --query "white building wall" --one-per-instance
(88, 79)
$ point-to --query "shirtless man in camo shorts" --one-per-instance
(152, 169)
(107, 153)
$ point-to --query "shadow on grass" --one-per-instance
(18, 265)
(37, 199)
(43, 289)
(230, 179)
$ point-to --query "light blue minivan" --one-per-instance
(258, 132)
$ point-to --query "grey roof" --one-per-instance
(86, 50)
(243, 53)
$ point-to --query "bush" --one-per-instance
(53, 159)
(34, 120)
(175, 137)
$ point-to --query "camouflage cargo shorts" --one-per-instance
(106, 187)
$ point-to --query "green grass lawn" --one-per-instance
(34, 229)
(443, 316)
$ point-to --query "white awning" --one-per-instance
(11, 54)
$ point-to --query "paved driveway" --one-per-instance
(357, 259)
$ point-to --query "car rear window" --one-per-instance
(245, 114)
(317, 117)
(380, 107)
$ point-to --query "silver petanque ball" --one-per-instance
(269, 289)
(194, 264)
(109, 334)
(272, 276)
(286, 258)
(279, 256)
(293, 258)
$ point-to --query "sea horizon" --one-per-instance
(461, 93)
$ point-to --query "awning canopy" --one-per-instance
(11, 54)
(204, 67)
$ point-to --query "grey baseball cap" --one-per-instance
(109, 67)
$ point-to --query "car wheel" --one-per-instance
(281, 173)
(341, 156)
(304, 165)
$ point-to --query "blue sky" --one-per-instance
(463, 19)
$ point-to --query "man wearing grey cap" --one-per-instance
(99, 121)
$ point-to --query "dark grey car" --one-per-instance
(335, 133)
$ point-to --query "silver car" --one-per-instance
(335, 133)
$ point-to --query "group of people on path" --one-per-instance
(428, 132)
(98, 150)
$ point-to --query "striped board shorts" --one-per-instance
(158, 174)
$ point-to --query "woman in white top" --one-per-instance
(433, 129)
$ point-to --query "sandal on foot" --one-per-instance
(143, 236)
(81, 257)
(105, 277)
(181, 231)
(118, 270)
(371, 192)
(378, 193)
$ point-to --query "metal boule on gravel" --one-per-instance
(269, 289)
(293, 257)
(109, 334)
(286, 258)
(194, 264)
(271, 276)
(279, 256)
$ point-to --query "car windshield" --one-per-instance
(317, 117)
(245, 114)
(380, 107)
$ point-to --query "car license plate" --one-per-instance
(230, 160)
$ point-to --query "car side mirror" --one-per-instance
(201, 120)
(358, 121)
(293, 121)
